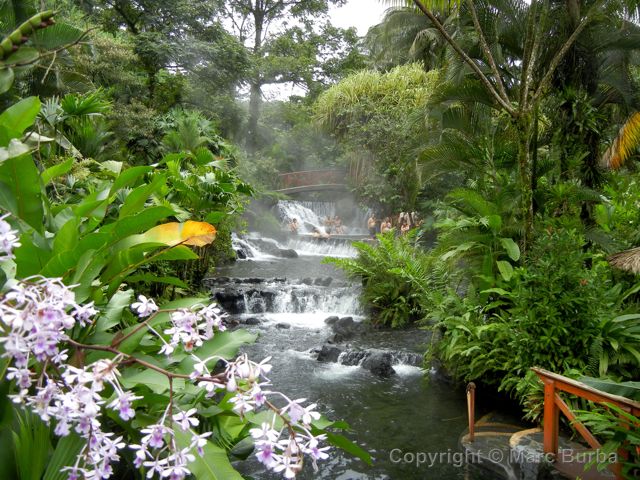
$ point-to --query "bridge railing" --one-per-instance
(312, 177)
(554, 405)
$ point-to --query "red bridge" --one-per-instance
(312, 180)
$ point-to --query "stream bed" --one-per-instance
(396, 418)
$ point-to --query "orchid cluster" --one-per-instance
(37, 315)
(192, 327)
(280, 449)
(8, 239)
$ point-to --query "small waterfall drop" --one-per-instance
(312, 215)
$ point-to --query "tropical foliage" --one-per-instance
(113, 192)
(523, 157)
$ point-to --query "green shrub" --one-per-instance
(395, 276)
(557, 313)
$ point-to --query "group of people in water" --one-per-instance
(404, 222)
(332, 225)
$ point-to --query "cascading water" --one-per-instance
(298, 306)
(312, 215)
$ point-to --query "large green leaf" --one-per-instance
(179, 252)
(214, 465)
(17, 118)
(624, 389)
(67, 237)
(88, 268)
(348, 446)
(20, 191)
(32, 255)
(64, 455)
(150, 278)
(6, 79)
(56, 36)
(511, 248)
(113, 313)
(128, 177)
(506, 269)
(57, 171)
(60, 265)
(155, 381)
(23, 57)
(137, 198)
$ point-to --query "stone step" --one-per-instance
(516, 453)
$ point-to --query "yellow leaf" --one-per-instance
(624, 144)
(193, 233)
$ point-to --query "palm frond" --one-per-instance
(629, 260)
(624, 144)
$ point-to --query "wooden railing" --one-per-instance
(471, 410)
(554, 404)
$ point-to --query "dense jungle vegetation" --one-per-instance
(134, 132)
(513, 130)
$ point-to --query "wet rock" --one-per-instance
(379, 363)
(241, 254)
(307, 281)
(252, 321)
(283, 326)
(230, 300)
(329, 353)
(344, 328)
(323, 282)
(354, 357)
(287, 253)
(254, 280)
(331, 320)
(272, 248)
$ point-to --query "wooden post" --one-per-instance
(551, 418)
(471, 409)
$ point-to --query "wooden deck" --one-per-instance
(513, 452)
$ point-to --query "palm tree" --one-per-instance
(406, 36)
(516, 84)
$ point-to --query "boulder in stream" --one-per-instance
(329, 353)
(331, 320)
(344, 328)
(379, 363)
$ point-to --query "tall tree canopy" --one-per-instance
(291, 41)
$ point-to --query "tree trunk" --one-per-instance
(524, 127)
(255, 97)
(255, 100)
(534, 157)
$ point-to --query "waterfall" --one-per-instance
(311, 215)
(324, 248)
(358, 357)
(290, 298)
(246, 249)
